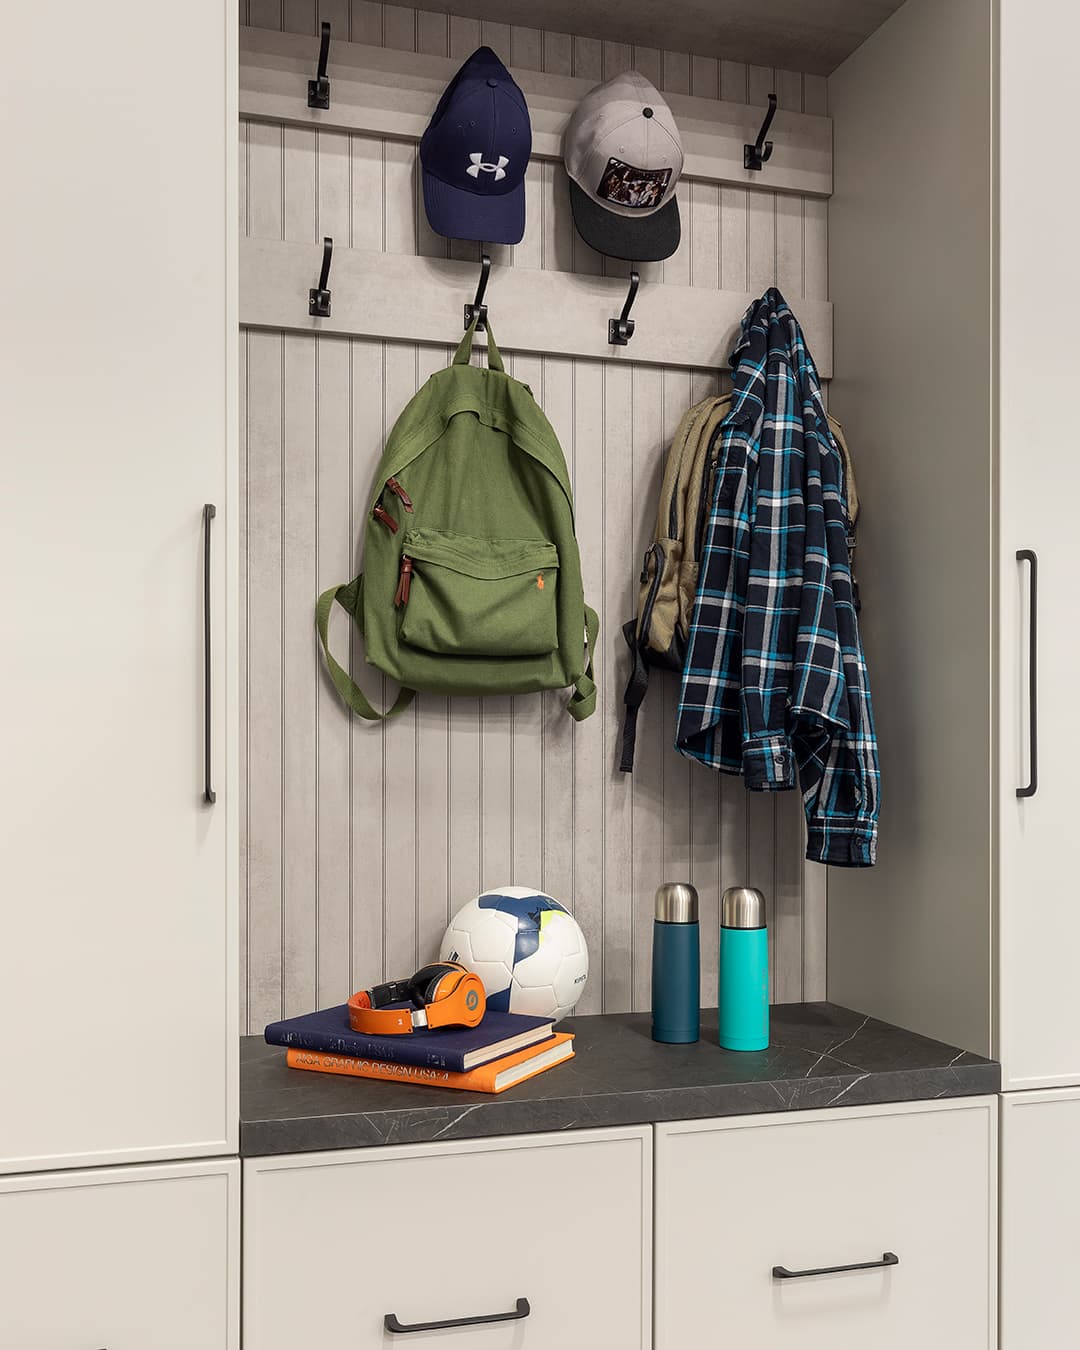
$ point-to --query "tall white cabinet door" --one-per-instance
(116, 408)
(129, 1258)
(1040, 1240)
(1038, 1012)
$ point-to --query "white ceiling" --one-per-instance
(808, 35)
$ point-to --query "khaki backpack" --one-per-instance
(658, 636)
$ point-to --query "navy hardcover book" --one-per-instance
(458, 1049)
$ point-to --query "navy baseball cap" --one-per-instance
(475, 152)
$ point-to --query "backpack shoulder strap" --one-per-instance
(583, 700)
(351, 600)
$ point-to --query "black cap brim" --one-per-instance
(637, 239)
(473, 215)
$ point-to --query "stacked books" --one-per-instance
(506, 1048)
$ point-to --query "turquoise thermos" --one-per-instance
(744, 970)
(676, 965)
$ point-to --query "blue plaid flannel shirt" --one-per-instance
(775, 676)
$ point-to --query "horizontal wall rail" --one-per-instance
(393, 93)
(389, 295)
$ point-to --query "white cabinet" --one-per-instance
(1040, 1199)
(954, 272)
(737, 1198)
(1039, 484)
(133, 1258)
(117, 402)
(336, 1242)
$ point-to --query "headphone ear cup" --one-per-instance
(424, 985)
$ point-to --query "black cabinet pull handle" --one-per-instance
(209, 511)
(391, 1323)
(1029, 556)
(887, 1259)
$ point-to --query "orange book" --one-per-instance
(496, 1076)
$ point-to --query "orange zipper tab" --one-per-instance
(401, 597)
(387, 519)
(398, 491)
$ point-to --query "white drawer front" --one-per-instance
(128, 1258)
(334, 1242)
(1040, 1198)
(828, 1189)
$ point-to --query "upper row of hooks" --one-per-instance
(754, 156)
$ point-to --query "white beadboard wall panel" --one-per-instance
(359, 840)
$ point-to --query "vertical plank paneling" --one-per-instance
(527, 730)
(675, 769)
(400, 744)
(618, 603)
(265, 181)
(559, 805)
(298, 718)
(265, 648)
(299, 183)
(431, 815)
(367, 741)
(789, 208)
(647, 781)
(433, 39)
(333, 211)
(590, 764)
(366, 22)
(359, 839)
(367, 171)
(333, 565)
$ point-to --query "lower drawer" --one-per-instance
(334, 1243)
(132, 1258)
(809, 1191)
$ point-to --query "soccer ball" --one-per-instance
(525, 946)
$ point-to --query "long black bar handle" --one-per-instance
(887, 1259)
(391, 1323)
(209, 511)
(1029, 556)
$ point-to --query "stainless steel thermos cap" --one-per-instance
(676, 902)
(742, 907)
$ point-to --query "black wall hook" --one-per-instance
(754, 156)
(621, 330)
(478, 310)
(318, 89)
(319, 297)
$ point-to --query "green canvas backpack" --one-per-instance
(472, 579)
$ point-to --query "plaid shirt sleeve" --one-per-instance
(774, 679)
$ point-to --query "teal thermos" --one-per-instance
(744, 970)
(676, 965)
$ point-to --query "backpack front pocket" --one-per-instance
(459, 595)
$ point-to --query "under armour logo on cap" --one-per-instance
(475, 152)
(477, 165)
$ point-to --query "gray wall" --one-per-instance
(911, 278)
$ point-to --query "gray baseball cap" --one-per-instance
(624, 156)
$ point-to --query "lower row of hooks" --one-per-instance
(620, 330)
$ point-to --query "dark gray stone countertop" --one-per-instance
(821, 1055)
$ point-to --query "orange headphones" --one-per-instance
(444, 994)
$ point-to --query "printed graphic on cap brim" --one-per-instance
(458, 214)
(649, 238)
